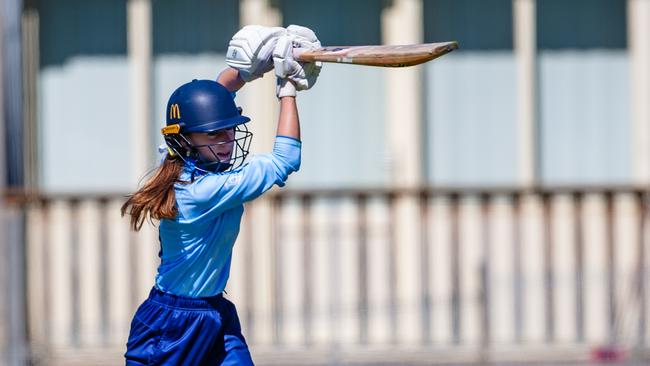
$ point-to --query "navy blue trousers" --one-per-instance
(175, 330)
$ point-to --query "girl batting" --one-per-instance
(198, 193)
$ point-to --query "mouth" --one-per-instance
(223, 157)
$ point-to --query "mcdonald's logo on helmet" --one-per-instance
(174, 111)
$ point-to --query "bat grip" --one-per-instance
(297, 52)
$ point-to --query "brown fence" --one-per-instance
(368, 275)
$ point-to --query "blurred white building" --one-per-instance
(574, 60)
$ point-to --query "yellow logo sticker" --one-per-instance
(174, 112)
(171, 129)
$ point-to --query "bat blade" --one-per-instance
(381, 55)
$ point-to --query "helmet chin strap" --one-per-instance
(216, 166)
(206, 168)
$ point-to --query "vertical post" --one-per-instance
(517, 268)
(549, 273)
(639, 48)
(139, 42)
(455, 270)
(525, 54)
(425, 272)
(611, 267)
(30, 64)
(640, 275)
(307, 269)
(276, 272)
(578, 238)
(484, 274)
(402, 24)
(534, 253)
(140, 79)
(362, 232)
(3, 187)
(12, 219)
(139, 39)
(638, 20)
(16, 347)
(532, 249)
(261, 104)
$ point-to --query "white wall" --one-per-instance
(471, 123)
(342, 126)
(83, 118)
(585, 119)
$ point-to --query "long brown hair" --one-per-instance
(156, 199)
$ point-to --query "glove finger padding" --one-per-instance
(311, 72)
(306, 76)
(251, 50)
(305, 36)
(283, 61)
(303, 75)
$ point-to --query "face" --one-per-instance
(220, 143)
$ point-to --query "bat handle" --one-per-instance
(297, 52)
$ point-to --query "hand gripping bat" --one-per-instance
(384, 55)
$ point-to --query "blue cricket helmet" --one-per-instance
(205, 106)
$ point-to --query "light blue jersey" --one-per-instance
(196, 247)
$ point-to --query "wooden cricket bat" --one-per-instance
(384, 55)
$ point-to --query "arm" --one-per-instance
(230, 78)
(288, 121)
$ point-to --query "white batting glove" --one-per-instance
(284, 88)
(302, 74)
(303, 37)
(251, 50)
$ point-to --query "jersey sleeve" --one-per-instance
(219, 192)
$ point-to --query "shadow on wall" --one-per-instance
(487, 25)
(70, 28)
(476, 25)
(337, 22)
(599, 24)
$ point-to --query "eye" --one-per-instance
(213, 133)
(221, 132)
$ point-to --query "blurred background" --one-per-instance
(489, 207)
